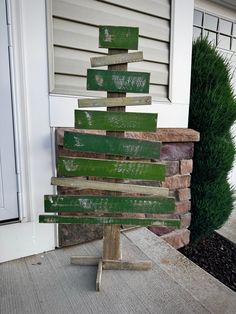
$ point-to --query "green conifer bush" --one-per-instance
(212, 113)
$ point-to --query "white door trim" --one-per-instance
(34, 147)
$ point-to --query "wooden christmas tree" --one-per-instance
(109, 209)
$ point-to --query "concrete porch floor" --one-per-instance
(47, 283)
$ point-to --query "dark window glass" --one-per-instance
(196, 32)
(210, 22)
(224, 42)
(197, 19)
(211, 37)
(233, 47)
(225, 27)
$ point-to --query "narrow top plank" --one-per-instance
(118, 37)
(115, 102)
(117, 59)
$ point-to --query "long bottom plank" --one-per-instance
(110, 220)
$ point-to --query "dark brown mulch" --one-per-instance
(217, 256)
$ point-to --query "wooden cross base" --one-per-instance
(109, 264)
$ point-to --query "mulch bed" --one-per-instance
(217, 256)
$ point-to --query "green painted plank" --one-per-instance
(109, 204)
(115, 102)
(118, 81)
(119, 37)
(82, 184)
(72, 166)
(110, 220)
(115, 121)
(111, 145)
(117, 59)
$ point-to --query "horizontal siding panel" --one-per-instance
(75, 85)
(75, 62)
(79, 36)
(96, 13)
(159, 8)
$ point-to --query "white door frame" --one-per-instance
(33, 134)
(8, 177)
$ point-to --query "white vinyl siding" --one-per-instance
(73, 39)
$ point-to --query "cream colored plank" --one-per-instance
(109, 186)
(85, 260)
(114, 102)
(127, 265)
(99, 13)
(159, 8)
(99, 276)
(117, 59)
(85, 37)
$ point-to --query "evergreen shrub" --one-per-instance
(212, 113)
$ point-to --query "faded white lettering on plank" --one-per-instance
(122, 82)
(107, 36)
(70, 165)
(99, 79)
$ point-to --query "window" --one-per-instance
(73, 39)
(220, 32)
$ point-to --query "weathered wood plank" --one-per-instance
(85, 260)
(111, 145)
(110, 220)
(73, 166)
(115, 121)
(119, 37)
(118, 81)
(117, 59)
(114, 102)
(127, 265)
(82, 184)
(99, 276)
(108, 204)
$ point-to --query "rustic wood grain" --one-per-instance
(117, 59)
(110, 220)
(119, 37)
(108, 204)
(115, 121)
(114, 102)
(111, 145)
(110, 186)
(127, 265)
(75, 166)
(118, 81)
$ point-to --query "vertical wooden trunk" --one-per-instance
(111, 233)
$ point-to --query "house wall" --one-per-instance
(36, 114)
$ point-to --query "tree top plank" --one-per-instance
(118, 37)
